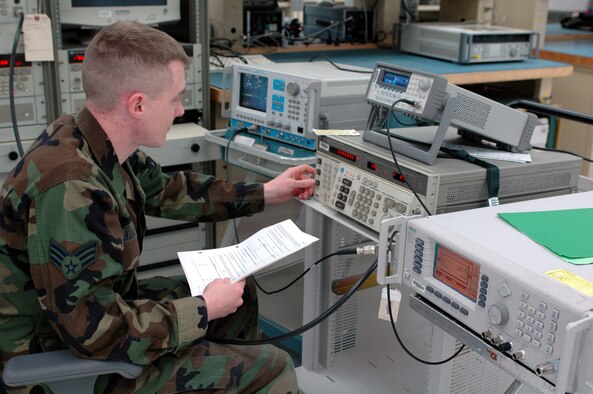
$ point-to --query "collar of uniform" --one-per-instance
(97, 138)
(103, 151)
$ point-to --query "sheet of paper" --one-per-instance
(336, 132)
(492, 154)
(37, 36)
(236, 262)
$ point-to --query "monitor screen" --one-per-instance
(392, 79)
(457, 272)
(98, 13)
(253, 92)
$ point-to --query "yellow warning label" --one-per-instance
(576, 282)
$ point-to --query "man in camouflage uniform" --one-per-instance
(71, 227)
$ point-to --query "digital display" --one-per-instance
(397, 80)
(383, 171)
(114, 3)
(19, 61)
(253, 92)
(457, 272)
(342, 153)
(399, 177)
(76, 58)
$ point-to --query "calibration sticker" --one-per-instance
(576, 282)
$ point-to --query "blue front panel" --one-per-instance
(279, 135)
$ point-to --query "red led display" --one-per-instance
(5, 63)
(343, 153)
(398, 177)
(76, 58)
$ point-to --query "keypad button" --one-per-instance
(529, 329)
(551, 339)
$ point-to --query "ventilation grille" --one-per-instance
(345, 321)
(347, 83)
(345, 324)
(471, 373)
(510, 187)
(472, 111)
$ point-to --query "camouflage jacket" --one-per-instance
(71, 228)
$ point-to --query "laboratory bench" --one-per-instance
(574, 47)
(539, 71)
(457, 74)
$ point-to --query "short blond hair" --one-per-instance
(128, 57)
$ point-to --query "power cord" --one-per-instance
(367, 249)
(17, 136)
(338, 67)
(389, 115)
(562, 151)
(306, 327)
(408, 352)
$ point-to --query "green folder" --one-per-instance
(568, 232)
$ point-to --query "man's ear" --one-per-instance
(136, 105)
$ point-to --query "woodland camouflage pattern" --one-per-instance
(71, 229)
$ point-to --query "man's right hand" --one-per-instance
(223, 297)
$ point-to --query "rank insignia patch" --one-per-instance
(72, 264)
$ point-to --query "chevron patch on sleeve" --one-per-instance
(72, 264)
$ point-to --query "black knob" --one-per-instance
(13, 156)
(506, 346)
(195, 148)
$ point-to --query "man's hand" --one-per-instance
(223, 297)
(295, 181)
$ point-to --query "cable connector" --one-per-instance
(367, 249)
(493, 201)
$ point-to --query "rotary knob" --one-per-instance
(498, 314)
(293, 88)
(424, 84)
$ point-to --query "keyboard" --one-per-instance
(215, 61)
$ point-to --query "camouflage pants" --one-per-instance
(208, 367)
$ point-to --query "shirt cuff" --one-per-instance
(192, 319)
